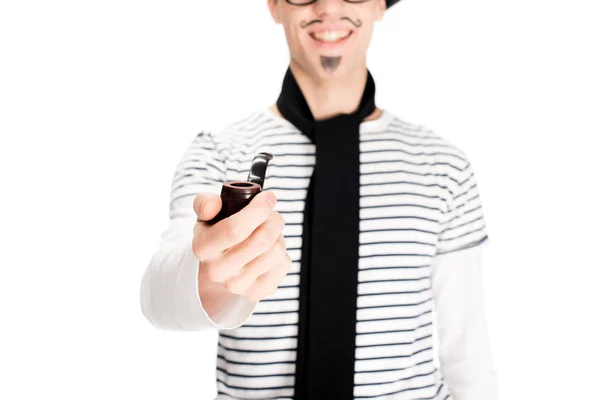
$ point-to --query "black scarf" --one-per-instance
(329, 263)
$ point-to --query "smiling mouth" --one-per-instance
(330, 36)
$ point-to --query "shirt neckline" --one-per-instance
(373, 125)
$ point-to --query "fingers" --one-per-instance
(237, 227)
(243, 279)
(267, 283)
(244, 253)
(260, 241)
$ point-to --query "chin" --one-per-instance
(340, 71)
(311, 64)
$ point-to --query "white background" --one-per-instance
(99, 99)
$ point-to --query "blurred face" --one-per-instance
(327, 38)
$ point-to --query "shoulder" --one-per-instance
(250, 125)
(433, 145)
(441, 159)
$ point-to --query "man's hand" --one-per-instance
(244, 254)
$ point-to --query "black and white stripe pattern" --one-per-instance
(418, 198)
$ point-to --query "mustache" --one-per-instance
(357, 23)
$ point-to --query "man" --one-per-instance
(324, 286)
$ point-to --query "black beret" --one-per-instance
(391, 2)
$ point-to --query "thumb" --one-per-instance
(207, 206)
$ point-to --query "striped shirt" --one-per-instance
(420, 212)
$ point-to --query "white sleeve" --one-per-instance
(464, 350)
(169, 296)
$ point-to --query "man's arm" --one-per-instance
(169, 291)
(465, 357)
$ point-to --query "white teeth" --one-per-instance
(330, 36)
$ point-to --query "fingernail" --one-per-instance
(202, 205)
(270, 198)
